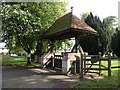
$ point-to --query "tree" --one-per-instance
(25, 23)
(84, 15)
(115, 43)
(93, 44)
(105, 29)
(110, 25)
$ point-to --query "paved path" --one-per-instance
(35, 78)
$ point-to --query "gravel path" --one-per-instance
(35, 78)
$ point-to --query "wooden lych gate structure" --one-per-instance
(66, 27)
(78, 63)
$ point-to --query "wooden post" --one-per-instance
(81, 73)
(75, 48)
(84, 63)
(73, 71)
(52, 46)
(109, 65)
(99, 63)
(52, 57)
(77, 64)
(76, 44)
(80, 63)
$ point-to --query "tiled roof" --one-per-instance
(68, 26)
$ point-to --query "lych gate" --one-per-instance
(66, 27)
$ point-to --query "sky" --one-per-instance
(101, 8)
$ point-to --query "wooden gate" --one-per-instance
(58, 61)
(85, 68)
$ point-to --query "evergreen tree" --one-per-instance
(93, 44)
(116, 43)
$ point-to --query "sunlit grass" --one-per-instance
(17, 60)
(114, 63)
(107, 82)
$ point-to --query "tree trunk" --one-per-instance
(28, 59)
(38, 52)
(32, 57)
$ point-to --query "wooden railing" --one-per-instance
(59, 57)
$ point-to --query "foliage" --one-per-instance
(25, 23)
(84, 15)
(116, 43)
(93, 44)
(110, 25)
(61, 45)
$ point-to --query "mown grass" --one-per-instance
(107, 82)
(14, 60)
(17, 61)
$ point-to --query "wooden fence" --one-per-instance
(85, 66)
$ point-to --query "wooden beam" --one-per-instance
(95, 68)
(81, 72)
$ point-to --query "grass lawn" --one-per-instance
(14, 60)
(107, 82)
(17, 60)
